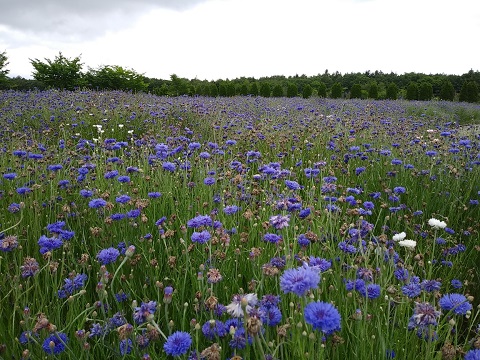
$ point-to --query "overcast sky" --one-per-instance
(220, 39)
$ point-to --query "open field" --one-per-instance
(143, 227)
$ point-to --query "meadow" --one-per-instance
(134, 226)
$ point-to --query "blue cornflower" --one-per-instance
(71, 285)
(401, 274)
(111, 174)
(154, 195)
(48, 244)
(431, 285)
(55, 343)
(125, 346)
(323, 316)
(209, 181)
(230, 209)
(322, 264)
(304, 213)
(23, 190)
(473, 354)
(118, 216)
(214, 328)
(456, 284)
(399, 190)
(124, 179)
(424, 315)
(97, 203)
(271, 316)
(200, 220)
(122, 199)
(279, 221)
(10, 176)
(300, 280)
(411, 290)
(55, 167)
(292, 185)
(359, 170)
(134, 213)
(107, 256)
(169, 166)
(371, 291)
(456, 302)
(272, 238)
(201, 237)
(178, 343)
(143, 312)
(303, 240)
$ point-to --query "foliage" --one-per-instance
(265, 89)
(356, 91)
(412, 91)
(373, 90)
(3, 66)
(277, 91)
(448, 91)
(114, 77)
(321, 89)
(253, 89)
(336, 91)
(307, 91)
(469, 92)
(425, 91)
(392, 91)
(60, 73)
(292, 90)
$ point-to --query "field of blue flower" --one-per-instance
(143, 227)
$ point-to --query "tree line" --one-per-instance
(67, 73)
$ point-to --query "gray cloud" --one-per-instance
(74, 20)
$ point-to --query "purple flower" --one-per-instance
(230, 209)
(169, 166)
(10, 176)
(107, 256)
(110, 174)
(154, 195)
(134, 213)
(359, 170)
(300, 280)
(125, 347)
(178, 343)
(371, 291)
(473, 354)
(214, 328)
(323, 316)
(200, 220)
(292, 185)
(86, 193)
(271, 316)
(97, 203)
(279, 221)
(272, 238)
(456, 284)
(23, 190)
(411, 290)
(48, 244)
(456, 302)
(209, 181)
(122, 199)
(30, 267)
(201, 237)
(55, 343)
(124, 179)
(143, 312)
(424, 315)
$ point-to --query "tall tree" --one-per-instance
(307, 91)
(412, 91)
(115, 77)
(356, 91)
(292, 90)
(373, 90)
(61, 72)
(392, 91)
(425, 91)
(277, 91)
(253, 89)
(265, 89)
(336, 91)
(3, 66)
(469, 92)
(322, 89)
(447, 92)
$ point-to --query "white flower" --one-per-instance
(409, 244)
(399, 237)
(240, 302)
(437, 224)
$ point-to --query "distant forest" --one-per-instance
(65, 73)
